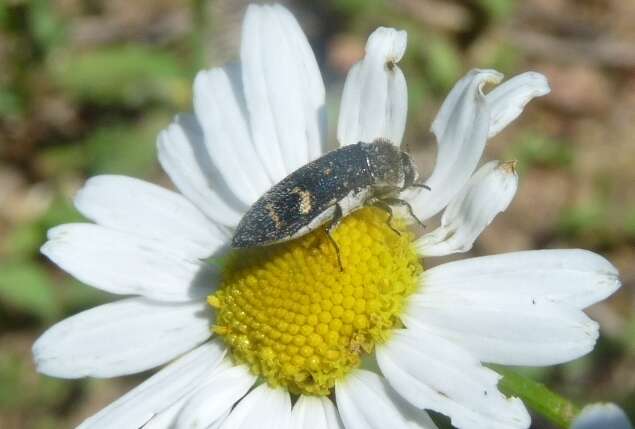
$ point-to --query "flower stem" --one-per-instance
(538, 397)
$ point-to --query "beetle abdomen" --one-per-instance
(299, 199)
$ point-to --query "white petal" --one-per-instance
(226, 133)
(487, 193)
(508, 100)
(184, 157)
(375, 97)
(507, 330)
(461, 128)
(123, 337)
(573, 277)
(312, 84)
(433, 373)
(160, 391)
(366, 401)
(166, 419)
(213, 401)
(283, 90)
(602, 416)
(120, 263)
(262, 408)
(315, 412)
(220, 422)
(141, 208)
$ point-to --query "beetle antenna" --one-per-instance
(400, 202)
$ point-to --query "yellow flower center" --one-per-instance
(291, 315)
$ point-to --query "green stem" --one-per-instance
(538, 397)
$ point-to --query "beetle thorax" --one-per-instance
(385, 164)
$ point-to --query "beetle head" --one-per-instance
(384, 162)
(389, 165)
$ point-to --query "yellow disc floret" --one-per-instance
(291, 315)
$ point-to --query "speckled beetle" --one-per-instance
(327, 189)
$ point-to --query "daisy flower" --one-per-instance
(278, 337)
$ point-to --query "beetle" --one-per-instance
(327, 189)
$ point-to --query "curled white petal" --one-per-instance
(283, 90)
(571, 277)
(161, 391)
(315, 412)
(487, 193)
(147, 210)
(263, 408)
(508, 100)
(602, 416)
(461, 128)
(366, 401)
(123, 337)
(375, 97)
(433, 373)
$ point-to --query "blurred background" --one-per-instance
(85, 86)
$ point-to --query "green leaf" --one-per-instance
(498, 9)
(504, 58)
(76, 296)
(628, 335)
(359, 7)
(11, 103)
(123, 148)
(629, 224)
(443, 62)
(534, 149)
(130, 75)
(46, 26)
(21, 390)
(62, 159)
(23, 241)
(538, 397)
(26, 287)
(587, 218)
(61, 211)
(4, 14)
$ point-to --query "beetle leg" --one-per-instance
(335, 221)
(399, 202)
(384, 205)
(420, 185)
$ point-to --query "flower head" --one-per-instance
(385, 338)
